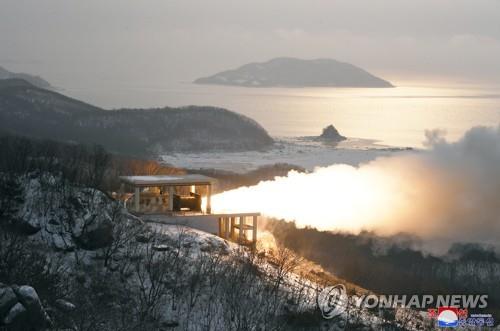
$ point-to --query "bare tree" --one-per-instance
(123, 231)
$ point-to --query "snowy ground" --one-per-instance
(301, 151)
(301, 292)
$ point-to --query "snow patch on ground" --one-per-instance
(198, 241)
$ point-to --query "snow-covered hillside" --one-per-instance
(77, 246)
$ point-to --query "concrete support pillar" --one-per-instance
(242, 229)
(171, 198)
(209, 199)
(227, 229)
(162, 198)
(221, 226)
(233, 235)
(254, 229)
(137, 206)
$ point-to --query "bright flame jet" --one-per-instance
(447, 193)
(337, 197)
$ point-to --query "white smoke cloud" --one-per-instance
(448, 193)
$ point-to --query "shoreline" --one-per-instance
(298, 151)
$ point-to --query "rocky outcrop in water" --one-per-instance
(330, 134)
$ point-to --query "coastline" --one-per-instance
(298, 151)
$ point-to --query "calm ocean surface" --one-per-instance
(394, 116)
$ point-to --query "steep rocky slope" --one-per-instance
(96, 267)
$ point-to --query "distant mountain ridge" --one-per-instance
(291, 72)
(34, 80)
(31, 111)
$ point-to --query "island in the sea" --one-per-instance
(291, 72)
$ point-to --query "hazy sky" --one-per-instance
(75, 43)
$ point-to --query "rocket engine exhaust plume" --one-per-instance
(448, 193)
